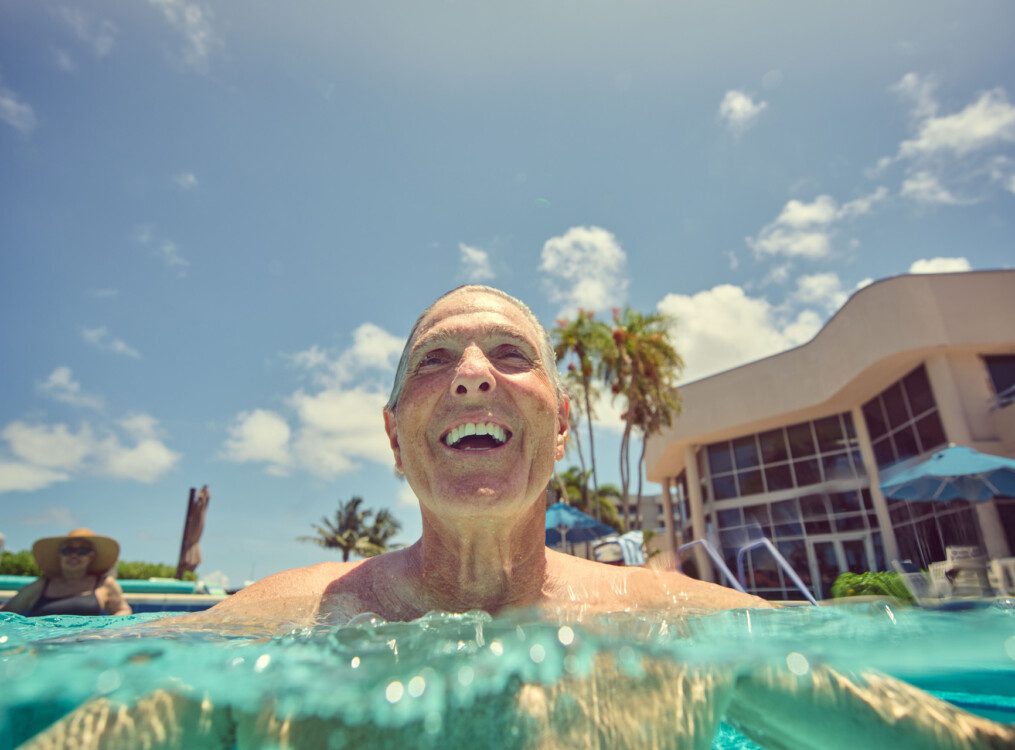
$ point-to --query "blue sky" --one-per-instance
(218, 221)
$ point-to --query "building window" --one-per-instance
(924, 529)
(1001, 368)
(903, 420)
(800, 455)
(801, 527)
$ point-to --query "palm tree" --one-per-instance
(642, 368)
(587, 340)
(351, 533)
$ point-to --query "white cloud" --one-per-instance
(988, 121)
(920, 91)
(823, 289)
(331, 430)
(939, 265)
(105, 293)
(338, 427)
(194, 23)
(63, 60)
(373, 350)
(805, 230)
(723, 327)
(738, 111)
(170, 255)
(954, 150)
(22, 477)
(62, 386)
(185, 180)
(145, 461)
(49, 447)
(586, 269)
(406, 497)
(101, 339)
(15, 112)
(926, 188)
(39, 455)
(475, 263)
(99, 35)
(163, 248)
(259, 436)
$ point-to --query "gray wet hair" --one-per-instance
(546, 355)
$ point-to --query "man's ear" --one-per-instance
(391, 428)
(563, 427)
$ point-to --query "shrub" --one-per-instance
(18, 564)
(871, 584)
(144, 570)
(23, 564)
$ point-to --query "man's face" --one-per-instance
(474, 367)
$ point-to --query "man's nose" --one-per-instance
(474, 374)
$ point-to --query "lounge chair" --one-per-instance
(1001, 574)
(933, 590)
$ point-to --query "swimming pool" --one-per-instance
(451, 680)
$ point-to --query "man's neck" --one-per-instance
(480, 565)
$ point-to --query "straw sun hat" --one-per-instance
(47, 551)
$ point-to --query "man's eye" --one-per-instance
(511, 354)
(432, 358)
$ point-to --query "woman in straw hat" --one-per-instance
(75, 578)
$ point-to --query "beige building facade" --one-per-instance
(795, 447)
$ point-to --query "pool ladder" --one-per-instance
(736, 581)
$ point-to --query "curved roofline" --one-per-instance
(839, 312)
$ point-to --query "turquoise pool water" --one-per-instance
(441, 668)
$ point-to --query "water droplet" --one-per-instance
(108, 681)
(571, 663)
(537, 653)
(354, 662)
(432, 722)
(497, 648)
(565, 635)
(797, 663)
(394, 691)
(416, 686)
(262, 662)
(466, 675)
(237, 661)
(3, 639)
(1009, 646)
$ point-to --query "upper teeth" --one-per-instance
(476, 428)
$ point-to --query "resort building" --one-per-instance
(795, 447)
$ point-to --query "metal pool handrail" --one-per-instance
(779, 559)
(716, 560)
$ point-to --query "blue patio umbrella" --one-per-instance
(567, 524)
(954, 473)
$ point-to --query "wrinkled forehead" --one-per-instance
(473, 312)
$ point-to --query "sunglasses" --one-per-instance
(75, 549)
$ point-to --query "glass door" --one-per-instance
(829, 556)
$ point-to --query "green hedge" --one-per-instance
(870, 584)
(18, 564)
(23, 564)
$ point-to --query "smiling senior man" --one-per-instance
(476, 419)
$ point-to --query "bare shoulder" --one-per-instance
(673, 587)
(622, 587)
(290, 597)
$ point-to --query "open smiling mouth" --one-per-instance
(476, 436)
